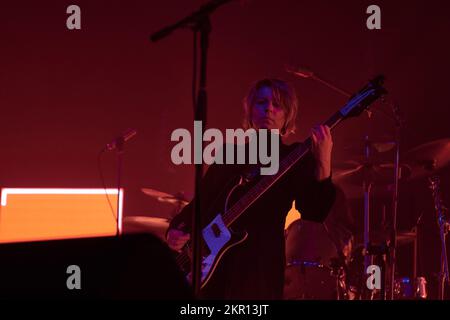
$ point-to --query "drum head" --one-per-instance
(309, 241)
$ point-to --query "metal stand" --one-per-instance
(117, 144)
(393, 247)
(204, 27)
(198, 22)
(371, 251)
(120, 147)
(443, 274)
(444, 226)
(367, 185)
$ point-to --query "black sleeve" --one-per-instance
(313, 198)
(208, 186)
(216, 180)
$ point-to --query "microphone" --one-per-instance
(118, 142)
(308, 74)
(301, 72)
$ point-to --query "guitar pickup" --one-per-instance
(216, 230)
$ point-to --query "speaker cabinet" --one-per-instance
(135, 266)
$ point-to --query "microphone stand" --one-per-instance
(199, 22)
(307, 74)
(118, 144)
(120, 150)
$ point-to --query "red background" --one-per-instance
(65, 93)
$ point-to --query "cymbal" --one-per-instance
(379, 145)
(157, 226)
(357, 172)
(166, 197)
(426, 159)
(377, 236)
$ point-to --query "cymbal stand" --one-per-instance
(444, 226)
(373, 252)
(367, 186)
(198, 22)
(398, 122)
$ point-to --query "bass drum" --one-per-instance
(312, 271)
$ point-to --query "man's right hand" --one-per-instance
(176, 239)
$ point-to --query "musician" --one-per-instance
(254, 269)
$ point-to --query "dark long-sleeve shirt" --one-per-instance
(254, 269)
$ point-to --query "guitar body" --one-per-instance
(216, 240)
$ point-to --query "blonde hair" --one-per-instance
(283, 94)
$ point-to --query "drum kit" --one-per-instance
(372, 178)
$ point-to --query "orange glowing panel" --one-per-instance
(32, 214)
(292, 216)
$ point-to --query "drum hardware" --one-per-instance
(367, 183)
(425, 161)
(369, 180)
(444, 226)
(339, 271)
(422, 161)
(369, 173)
(421, 288)
(118, 144)
(377, 253)
(406, 288)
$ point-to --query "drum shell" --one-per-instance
(309, 255)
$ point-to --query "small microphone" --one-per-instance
(118, 142)
(308, 74)
(301, 72)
